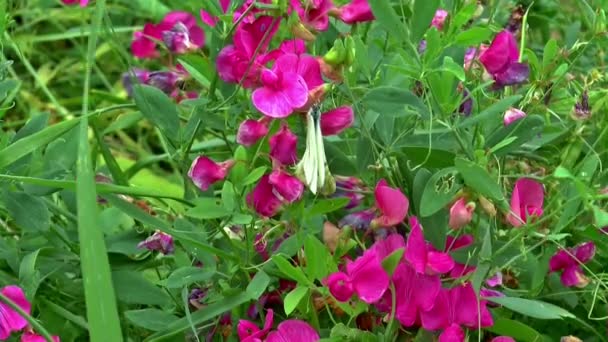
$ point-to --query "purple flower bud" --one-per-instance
(177, 40)
(166, 81)
(512, 115)
(581, 109)
(138, 75)
(467, 104)
(159, 241)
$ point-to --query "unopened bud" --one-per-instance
(336, 55)
(487, 206)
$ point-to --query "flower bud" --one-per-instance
(349, 46)
(461, 213)
(512, 115)
(337, 120)
(286, 186)
(205, 171)
(487, 206)
(159, 241)
(336, 55)
(177, 40)
(250, 132)
(283, 146)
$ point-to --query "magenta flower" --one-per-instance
(512, 115)
(461, 213)
(250, 332)
(314, 14)
(503, 339)
(439, 19)
(495, 280)
(10, 320)
(283, 146)
(421, 255)
(140, 76)
(281, 93)
(454, 308)
(357, 11)
(392, 204)
(263, 198)
(452, 244)
(337, 120)
(160, 242)
(205, 172)
(30, 336)
(414, 293)
(251, 131)
(340, 286)
(526, 201)
(349, 187)
(304, 65)
(83, 3)
(569, 261)
(178, 28)
(293, 330)
(166, 81)
(286, 186)
(501, 60)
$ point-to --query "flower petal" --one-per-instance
(392, 203)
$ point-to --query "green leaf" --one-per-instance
(258, 285)
(294, 298)
(199, 67)
(424, 11)
(185, 276)
(254, 175)
(485, 256)
(549, 53)
(392, 101)
(494, 111)
(342, 333)
(151, 319)
(391, 262)
(207, 208)
(317, 257)
(600, 216)
(517, 330)
(289, 270)
(473, 36)
(439, 191)
(229, 197)
(329, 205)
(532, 308)
(157, 107)
(132, 288)
(524, 130)
(453, 68)
(29, 276)
(479, 179)
(27, 145)
(388, 19)
(30, 213)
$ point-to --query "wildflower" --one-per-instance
(495, 280)
(313, 13)
(439, 19)
(159, 241)
(250, 332)
(582, 109)
(453, 244)
(196, 296)
(466, 106)
(263, 198)
(293, 330)
(454, 308)
(166, 81)
(313, 166)
(286, 186)
(281, 92)
(283, 146)
(205, 171)
(357, 11)
(392, 204)
(512, 115)
(348, 187)
(501, 61)
(30, 336)
(83, 3)
(340, 286)
(134, 75)
(569, 261)
(360, 220)
(337, 120)
(178, 29)
(251, 131)
(421, 256)
(10, 320)
(526, 201)
(414, 293)
(309, 69)
(461, 213)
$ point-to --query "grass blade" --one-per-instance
(102, 313)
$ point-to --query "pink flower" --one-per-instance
(304, 65)
(205, 171)
(501, 60)
(293, 330)
(10, 320)
(83, 3)
(454, 308)
(357, 11)
(30, 336)
(453, 244)
(159, 241)
(263, 198)
(495, 280)
(414, 293)
(286, 186)
(251, 131)
(569, 262)
(178, 30)
(208, 18)
(250, 332)
(339, 286)
(461, 213)
(439, 19)
(422, 256)
(348, 187)
(526, 201)
(337, 120)
(392, 203)
(313, 13)
(283, 146)
(503, 339)
(512, 115)
(281, 93)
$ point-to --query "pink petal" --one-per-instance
(512, 115)
(294, 88)
(416, 252)
(503, 339)
(439, 262)
(10, 320)
(225, 64)
(584, 252)
(461, 213)
(225, 4)
(142, 47)
(495, 280)
(501, 53)
(288, 187)
(283, 146)
(197, 36)
(30, 336)
(356, 12)
(527, 193)
(438, 317)
(460, 270)
(340, 286)
(439, 19)
(293, 330)
(337, 120)
(369, 279)
(263, 200)
(463, 241)
(208, 18)
(271, 102)
(387, 246)
(427, 288)
(205, 172)
(453, 333)
(393, 205)
(560, 260)
(248, 36)
(574, 276)
(250, 132)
